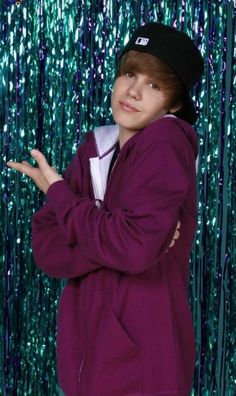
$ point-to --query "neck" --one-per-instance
(125, 135)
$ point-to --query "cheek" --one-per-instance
(157, 105)
(115, 96)
(114, 103)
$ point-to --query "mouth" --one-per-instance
(127, 107)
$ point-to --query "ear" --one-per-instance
(176, 108)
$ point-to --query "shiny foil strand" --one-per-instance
(58, 61)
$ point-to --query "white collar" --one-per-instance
(106, 137)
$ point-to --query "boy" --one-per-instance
(124, 322)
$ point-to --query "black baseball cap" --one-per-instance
(178, 50)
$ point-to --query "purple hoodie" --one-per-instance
(124, 321)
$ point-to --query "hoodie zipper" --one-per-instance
(80, 369)
(82, 361)
(113, 173)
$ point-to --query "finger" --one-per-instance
(41, 160)
(21, 167)
(178, 225)
(172, 243)
(11, 163)
(176, 234)
(26, 163)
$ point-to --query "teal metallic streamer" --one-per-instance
(58, 61)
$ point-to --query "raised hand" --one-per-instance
(43, 176)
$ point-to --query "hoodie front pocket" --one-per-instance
(114, 363)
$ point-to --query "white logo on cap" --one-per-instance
(142, 41)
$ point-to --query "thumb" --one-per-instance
(40, 159)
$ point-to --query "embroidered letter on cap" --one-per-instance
(142, 41)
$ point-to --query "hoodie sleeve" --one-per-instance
(52, 255)
(132, 237)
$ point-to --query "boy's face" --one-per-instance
(136, 101)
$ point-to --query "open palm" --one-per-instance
(44, 175)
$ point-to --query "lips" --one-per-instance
(127, 107)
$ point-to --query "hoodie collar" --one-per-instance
(106, 138)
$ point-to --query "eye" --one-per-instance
(130, 74)
(154, 86)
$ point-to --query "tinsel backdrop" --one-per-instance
(57, 63)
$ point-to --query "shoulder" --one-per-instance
(174, 131)
(167, 127)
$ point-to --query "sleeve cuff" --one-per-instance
(59, 192)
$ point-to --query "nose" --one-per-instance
(134, 90)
